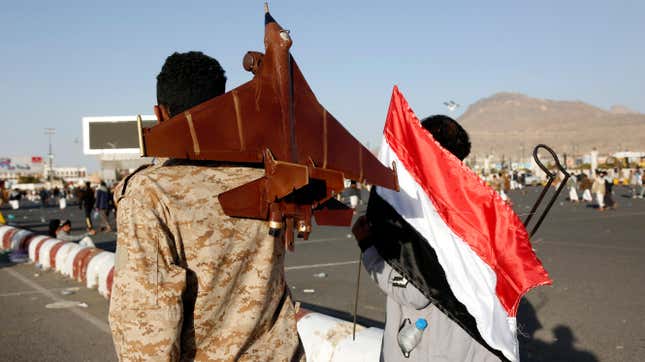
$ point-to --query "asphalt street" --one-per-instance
(593, 311)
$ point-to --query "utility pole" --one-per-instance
(50, 132)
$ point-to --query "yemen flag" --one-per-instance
(451, 235)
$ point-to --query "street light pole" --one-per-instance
(50, 132)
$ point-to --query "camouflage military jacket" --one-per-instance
(192, 283)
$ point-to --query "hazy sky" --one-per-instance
(62, 60)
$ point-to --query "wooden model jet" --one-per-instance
(274, 120)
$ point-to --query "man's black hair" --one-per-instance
(188, 79)
(54, 224)
(450, 134)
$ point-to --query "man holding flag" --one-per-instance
(445, 249)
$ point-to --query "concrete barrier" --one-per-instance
(39, 245)
(92, 266)
(81, 261)
(24, 244)
(44, 255)
(53, 252)
(6, 237)
(105, 285)
(326, 338)
(61, 256)
(3, 230)
(33, 245)
(99, 266)
(18, 238)
(68, 266)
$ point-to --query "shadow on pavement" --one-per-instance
(532, 349)
(5, 260)
(30, 226)
(107, 245)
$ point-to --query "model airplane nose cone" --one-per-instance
(267, 16)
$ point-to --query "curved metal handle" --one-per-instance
(555, 158)
(551, 176)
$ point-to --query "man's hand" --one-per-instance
(362, 232)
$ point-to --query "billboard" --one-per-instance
(113, 135)
(21, 165)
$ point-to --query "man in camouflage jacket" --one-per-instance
(192, 283)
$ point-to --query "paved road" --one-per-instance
(593, 312)
(31, 332)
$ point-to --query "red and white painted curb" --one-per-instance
(325, 338)
(91, 266)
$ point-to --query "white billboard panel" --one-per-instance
(113, 135)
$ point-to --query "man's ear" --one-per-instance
(162, 113)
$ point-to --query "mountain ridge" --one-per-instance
(510, 124)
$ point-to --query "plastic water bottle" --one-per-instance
(410, 335)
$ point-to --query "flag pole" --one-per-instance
(358, 284)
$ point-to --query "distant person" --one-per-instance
(56, 193)
(103, 205)
(585, 186)
(573, 190)
(636, 183)
(499, 184)
(598, 188)
(63, 234)
(54, 224)
(14, 199)
(44, 197)
(520, 181)
(4, 193)
(515, 181)
(354, 195)
(609, 186)
(615, 178)
(112, 208)
(87, 204)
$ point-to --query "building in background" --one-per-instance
(115, 142)
(68, 174)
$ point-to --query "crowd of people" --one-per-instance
(599, 190)
(96, 203)
(596, 189)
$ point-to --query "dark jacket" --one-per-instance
(102, 198)
(87, 199)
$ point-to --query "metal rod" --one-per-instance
(548, 206)
(358, 284)
(538, 201)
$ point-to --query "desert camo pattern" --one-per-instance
(192, 283)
